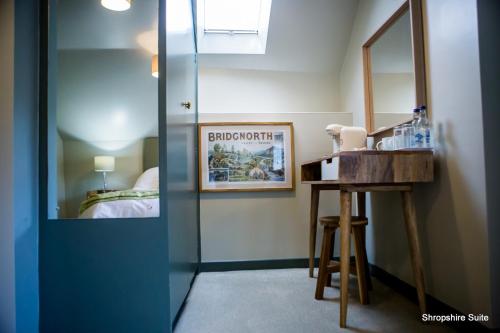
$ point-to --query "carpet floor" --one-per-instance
(282, 301)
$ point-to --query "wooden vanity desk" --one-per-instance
(370, 171)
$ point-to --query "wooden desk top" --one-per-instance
(374, 167)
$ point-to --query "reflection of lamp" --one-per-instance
(118, 5)
(154, 66)
(104, 164)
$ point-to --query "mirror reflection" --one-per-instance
(103, 110)
(392, 74)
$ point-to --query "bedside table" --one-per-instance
(95, 192)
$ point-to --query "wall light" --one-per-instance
(117, 5)
(154, 66)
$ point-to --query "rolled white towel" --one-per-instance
(333, 129)
(352, 138)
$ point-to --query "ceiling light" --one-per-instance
(118, 5)
(154, 66)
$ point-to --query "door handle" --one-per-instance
(186, 104)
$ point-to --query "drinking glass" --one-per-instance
(399, 140)
(408, 136)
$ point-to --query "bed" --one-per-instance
(143, 200)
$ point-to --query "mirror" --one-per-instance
(102, 126)
(394, 70)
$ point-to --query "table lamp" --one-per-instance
(104, 164)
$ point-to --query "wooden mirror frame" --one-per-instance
(417, 36)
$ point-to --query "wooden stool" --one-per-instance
(328, 266)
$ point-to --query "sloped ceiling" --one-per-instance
(304, 36)
(86, 24)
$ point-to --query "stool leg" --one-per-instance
(360, 264)
(313, 223)
(329, 277)
(323, 263)
(367, 266)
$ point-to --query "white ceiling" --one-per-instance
(304, 36)
(85, 24)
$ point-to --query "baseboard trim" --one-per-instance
(224, 266)
(434, 306)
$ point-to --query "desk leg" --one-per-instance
(345, 252)
(313, 223)
(416, 258)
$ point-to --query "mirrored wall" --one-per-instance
(102, 126)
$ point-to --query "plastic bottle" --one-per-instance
(426, 127)
(418, 136)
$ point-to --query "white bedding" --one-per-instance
(123, 208)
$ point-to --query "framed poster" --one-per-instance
(246, 157)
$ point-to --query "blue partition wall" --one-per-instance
(18, 167)
(181, 152)
(126, 275)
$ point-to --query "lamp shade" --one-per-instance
(117, 5)
(154, 66)
(104, 163)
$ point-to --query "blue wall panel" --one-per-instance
(104, 276)
(181, 152)
(101, 275)
(116, 275)
(25, 164)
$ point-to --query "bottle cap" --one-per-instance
(422, 107)
(416, 110)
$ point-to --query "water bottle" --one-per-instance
(421, 128)
(426, 127)
(418, 136)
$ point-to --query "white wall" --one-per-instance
(261, 91)
(272, 225)
(7, 278)
(451, 211)
(296, 80)
(268, 225)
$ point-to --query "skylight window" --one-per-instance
(232, 16)
(233, 26)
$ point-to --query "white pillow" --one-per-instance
(149, 180)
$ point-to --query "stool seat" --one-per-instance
(334, 221)
(328, 266)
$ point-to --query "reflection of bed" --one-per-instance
(140, 201)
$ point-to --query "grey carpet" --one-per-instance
(276, 301)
